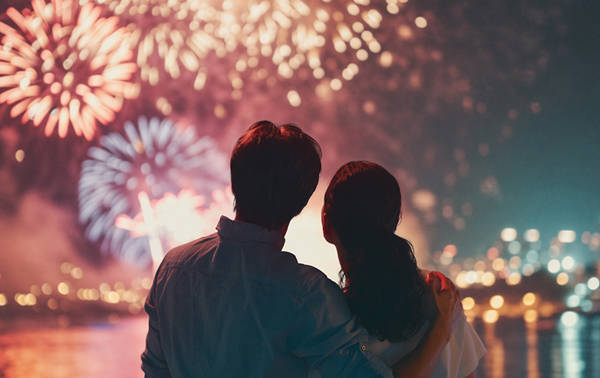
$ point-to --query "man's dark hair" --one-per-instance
(274, 171)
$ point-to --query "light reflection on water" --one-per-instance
(541, 349)
(515, 349)
(94, 351)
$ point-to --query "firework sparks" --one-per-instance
(290, 34)
(155, 158)
(176, 219)
(65, 65)
(295, 33)
(173, 36)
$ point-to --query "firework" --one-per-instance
(63, 64)
(290, 34)
(296, 33)
(155, 158)
(173, 36)
(176, 219)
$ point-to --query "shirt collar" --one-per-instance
(242, 231)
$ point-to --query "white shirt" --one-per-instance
(459, 357)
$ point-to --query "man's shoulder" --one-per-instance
(189, 251)
(304, 278)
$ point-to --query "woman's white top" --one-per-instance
(459, 357)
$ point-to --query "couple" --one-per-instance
(233, 304)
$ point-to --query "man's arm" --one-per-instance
(327, 336)
(421, 362)
(154, 364)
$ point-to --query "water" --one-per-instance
(112, 350)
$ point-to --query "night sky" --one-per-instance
(466, 83)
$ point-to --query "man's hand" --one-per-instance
(447, 299)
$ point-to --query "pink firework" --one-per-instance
(63, 64)
(176, 219)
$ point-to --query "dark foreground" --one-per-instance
(515, 349)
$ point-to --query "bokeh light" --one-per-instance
(532, 235)
(569, 319)
(468, 303)
(529, 299)
(562, 279)
(530, 316)
(508, 234)
(553, 266)
(490, 316)
(567, 236)
(593, 283)
(497, 301)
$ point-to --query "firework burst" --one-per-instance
(155, 158)
(63, 64)
(176, 219)
(331, 40)
(173, 37)
(289, 35)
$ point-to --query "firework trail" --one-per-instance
(64, 65)
(155, 158)
(176, 219)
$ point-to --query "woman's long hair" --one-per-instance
(379, 276)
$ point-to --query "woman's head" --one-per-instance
(362, 193)
(379, 274)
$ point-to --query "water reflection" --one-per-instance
(536, 348)
(541, 348)
(494, 360)
(570, 328)
(533, 364)
(95, 351)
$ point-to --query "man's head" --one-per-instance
(274, 171)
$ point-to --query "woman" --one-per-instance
(381, 281)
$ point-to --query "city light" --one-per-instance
(573, 300)
(569, 318)
(490, 316)
(568, 263)
(567, 236)
(530, 316)
(529, 299)
(553, 266)
(468, 303)
(508, 234)
(497, 301)
(593, 283)
(498, 264)
(514, 247)
(532, 235)
(488, 279)
(562, 279)
(513, 279)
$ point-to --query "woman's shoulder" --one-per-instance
(392, 352)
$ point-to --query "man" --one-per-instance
(234, 305)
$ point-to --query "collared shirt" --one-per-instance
(234, 305)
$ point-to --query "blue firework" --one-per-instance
(153, 156)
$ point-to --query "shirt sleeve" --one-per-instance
(154, 364)
(472, 350)
(327, 336)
